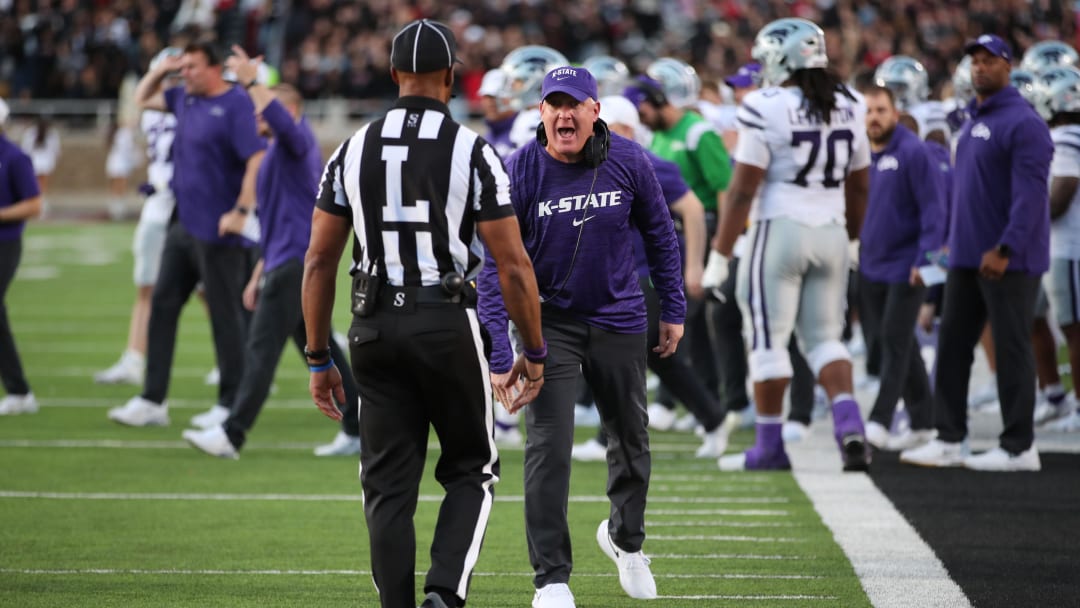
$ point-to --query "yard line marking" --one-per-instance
(749, 480)
(725, 538)
(894, 565)
(299, 497)
(680, 556)
(343, 572)
(748, 512)
(174, 404)
(748, 597)
(719, 523)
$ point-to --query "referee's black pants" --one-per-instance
(418, 368)
(1009, 305)
(223, 270)
(614, 366)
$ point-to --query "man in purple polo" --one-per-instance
(580, 194)
(216, 155)
(904, 221)
(999, 247)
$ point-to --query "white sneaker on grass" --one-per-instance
(13, 405)
(213, 377)
(342, 445)
(213, 441)
(128, 370)
(140, 412)
(555, 595)
(1000, 460)
(634, 574)
(590, 451)
(586, 415)
(660, 417)
(714, 443)
(686, 423)
(215, 416)
(936, 453)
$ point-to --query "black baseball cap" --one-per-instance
(424, 46)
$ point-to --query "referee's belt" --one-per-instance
(405, 298)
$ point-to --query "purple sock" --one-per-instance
(846, 417)
(768, 434)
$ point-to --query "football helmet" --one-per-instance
(610, 73)
(1047, 54)
(963, 90)
(1061, 90)
(678, 79)
(525, 69)
(787, 45)
(906, 78)
(1030, 89)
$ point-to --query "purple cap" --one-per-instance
(747, 76)
(575, 82)
(643, 88)
(993, 45)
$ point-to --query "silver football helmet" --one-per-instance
(678, 79)
(610, 73)
(1047, 54)
(525, 69)
(963, 90)
(1061, 90)
(1027, 83)
(906, 78)
(787, 45)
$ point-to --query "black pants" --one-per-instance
(888, 312)
(223, 270)
(614, 366)
(1009, 305)
(11, 371)
(416, 370)
(278, 315)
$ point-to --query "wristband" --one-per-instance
(317, 355)
(322, 367)
(536, 355)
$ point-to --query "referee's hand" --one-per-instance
(325, 386)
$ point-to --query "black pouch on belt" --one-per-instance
(365, 290)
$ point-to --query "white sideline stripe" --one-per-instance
(895, 566)
(719, 523)
(724, 538)
(749, 480)
(748, 512)
(290, 572)
(680, 556)
(299, 497)
(792, 598)
(174, 404)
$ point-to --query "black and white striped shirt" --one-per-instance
(425, 180)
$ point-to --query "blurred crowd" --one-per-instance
(337, 48)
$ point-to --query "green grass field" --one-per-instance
(94, 514)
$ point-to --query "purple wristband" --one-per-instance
(536, 355)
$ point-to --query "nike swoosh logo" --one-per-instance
(578, 222)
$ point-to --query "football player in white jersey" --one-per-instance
(1062, 108)
(802, 140)
(908, 80)
(525, 68)
(158, 129)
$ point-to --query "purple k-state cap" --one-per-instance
(747, 76)
(993, 45)
(575, 82)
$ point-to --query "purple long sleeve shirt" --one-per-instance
(906, 212)
(17, 183)
(1000, 185)
(599, 285)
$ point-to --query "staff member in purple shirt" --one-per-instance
(999, 247)
(286, 186)
(903, 223)
(216, 155)
(20, 200)
(580, 194)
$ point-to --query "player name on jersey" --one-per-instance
(839, 115)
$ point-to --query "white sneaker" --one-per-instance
(510, 438)
(342, 445)
(986, 394)
(1048, 412)
(794, 431)
(128, 370)
(634, 574)
(590, 451)
(910, 439)
(586, 415)
(140, 412)
(877, 435)
(555, 595)
(1068, 424)
(652, 382)
(660, 417)
(215, 416)
(936, 453)
(213, 441)
(998, 459)
(13, 405)
(213, 377)
(714, 444)
(868, 383)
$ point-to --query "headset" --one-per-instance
(596, 147)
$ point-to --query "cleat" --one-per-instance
(856, 453)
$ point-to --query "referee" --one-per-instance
(415, 190)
